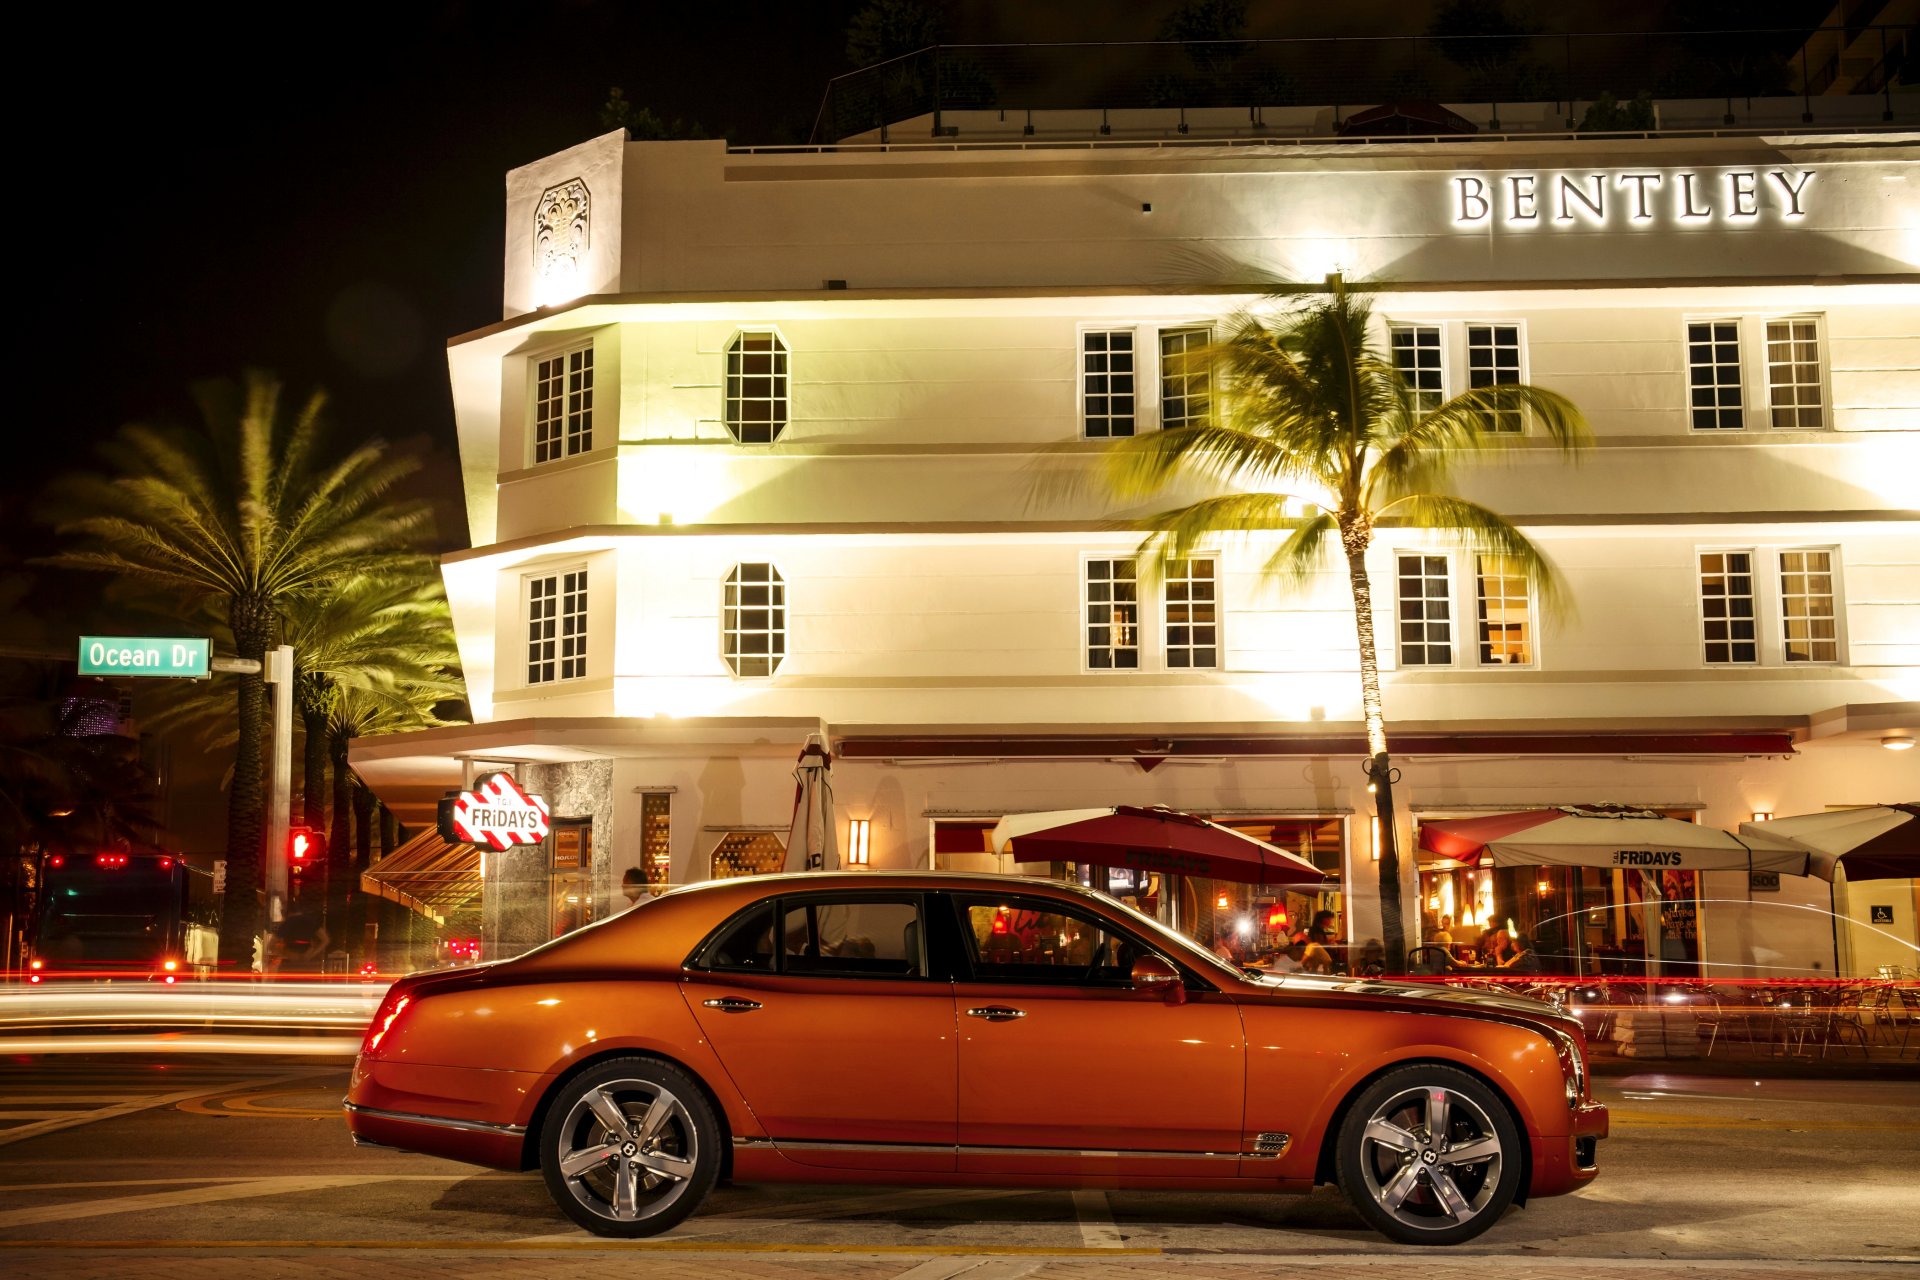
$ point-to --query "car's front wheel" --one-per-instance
(1429, 1155)
(630, 1147)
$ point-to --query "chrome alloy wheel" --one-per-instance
(627, 1149)
(1431, 1158)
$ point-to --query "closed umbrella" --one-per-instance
(1876, 842)
(1150, 839)
(810, 842)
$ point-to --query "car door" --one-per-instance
(823, 1010)
(1065, 1068)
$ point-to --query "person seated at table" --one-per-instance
(1443, 936)
(1520, 956)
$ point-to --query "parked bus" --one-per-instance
(112, 914)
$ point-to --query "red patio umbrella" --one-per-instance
(1150, 839)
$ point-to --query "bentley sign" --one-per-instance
(496, 812)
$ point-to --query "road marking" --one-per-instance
(275, 1186)
(462, 1176)
(75, 1119)
(245, 1104)
(40, 1115)
(1096, 1220)
(1663, 1120)
(595, 1244)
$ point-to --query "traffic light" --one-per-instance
(304, 846)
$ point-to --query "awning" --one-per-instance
(1607, 836)
(428, 874)
(1877, 842)
(1155, 839)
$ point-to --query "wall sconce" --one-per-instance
(1897, 742)
(1763, 815)
(859, 842)
(1374, 829)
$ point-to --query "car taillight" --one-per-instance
(56, 861)
(390, 1011)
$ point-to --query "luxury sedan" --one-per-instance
(946, 1029)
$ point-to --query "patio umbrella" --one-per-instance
(810, 842)
(1878, 842)
(1150, 839)
(1607, 836)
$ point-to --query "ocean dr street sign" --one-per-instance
(183, 658)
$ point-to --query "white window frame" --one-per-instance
(565, 441)
(1754, 562)
(558, 575)
(783, 402)
(1463, 347)
(1532, 618)
(1164, 629)
(1160, 333)
(1778, 564)
(1439, 330)
(1084, 625)
(1742, 361)
(1140, 418)
(779, 598)
(1451, 596)
(1823, 385)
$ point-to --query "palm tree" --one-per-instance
(1322, 440)
(244, 514)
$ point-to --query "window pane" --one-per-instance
(1726, 607)
(1112, 615)
(1416, 354)
(1493, 360)
(753, 620)
(1018, 940)
(1426, 620)
(834, 938)
(1107, 383)
(1807, 607)
(1794, 396)
(1506, 626)
(756, 388)
(1186, 378)
(1192, 618)
(748, 945)
(1713, 374)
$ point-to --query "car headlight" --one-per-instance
(1573, 1064)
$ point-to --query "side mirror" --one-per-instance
(1153, 976)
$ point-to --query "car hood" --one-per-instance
(1429, 997)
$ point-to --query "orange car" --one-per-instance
(943, 1030)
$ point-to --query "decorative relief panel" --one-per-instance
(561, 231)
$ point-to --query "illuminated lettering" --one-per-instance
(1473, 192)
(1793, 192)
(1595, 201)
(1687, 211)
(1522, 208)
(1746, 195)
(1640, 180)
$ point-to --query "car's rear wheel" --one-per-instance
(630, 1147)
(1429, 1155)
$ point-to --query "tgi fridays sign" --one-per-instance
(1735, 198)
(496, 812)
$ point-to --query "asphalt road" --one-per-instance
(204, 1167)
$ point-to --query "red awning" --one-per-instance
(1141, 839)
(1462, 839)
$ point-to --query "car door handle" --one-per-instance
(997, 1013)
(732, 1004)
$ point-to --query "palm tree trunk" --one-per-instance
(1393, 932)
(362, 912)
(340, 843)
(313, 761)
(240, 913)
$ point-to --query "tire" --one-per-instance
(649, 1176)
(1416, 1190)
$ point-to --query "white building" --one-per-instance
(767, 445)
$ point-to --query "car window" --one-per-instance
(851, 937)
(1025, 940)
(746, 945)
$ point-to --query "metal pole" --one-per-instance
(280, 675)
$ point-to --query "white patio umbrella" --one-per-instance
(810, 836)
(1873, 842)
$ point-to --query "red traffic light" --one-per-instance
(304, 844)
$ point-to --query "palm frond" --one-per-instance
(1483, 532)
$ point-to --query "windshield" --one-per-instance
(1182, 945)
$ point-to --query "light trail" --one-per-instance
(212, 1005)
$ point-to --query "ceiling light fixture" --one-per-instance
(1894, 742)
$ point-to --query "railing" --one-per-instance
(1342, 73)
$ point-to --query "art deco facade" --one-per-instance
(770, 445)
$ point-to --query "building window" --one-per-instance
(1426, 615)
(1106, 364)
(1726, 607)
(756, 387)
(1416, 354)
(563, 405)
(754, 620)
(1493, 360)
(1186, 378)
(1713, 374)
(1793, 374)
(1192, 615)
(1113, 615)
(1807, 616)
(557, 627)
(570, 894)
(748, 853)
(1506, 624)
(656, 840)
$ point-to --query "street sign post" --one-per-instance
(169, 657)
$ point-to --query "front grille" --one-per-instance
(1586, 1153)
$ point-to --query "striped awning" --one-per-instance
(428, 874)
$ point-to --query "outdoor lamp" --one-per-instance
(1763, 815)
(1895, 742)
(859, 842)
